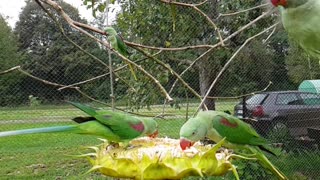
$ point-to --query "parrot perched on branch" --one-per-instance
(113, 126)
(217, 125)
(118, 45)
(300, 19)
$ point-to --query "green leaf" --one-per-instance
(101, 7)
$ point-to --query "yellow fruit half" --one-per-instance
(160, 158)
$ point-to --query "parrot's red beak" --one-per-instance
(154, 135)
(184, 144)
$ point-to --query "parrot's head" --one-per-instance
(151, 128)
(288, 3)
(277, 3)
(110, 31)
(193, 130)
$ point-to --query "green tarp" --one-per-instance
(310, 86)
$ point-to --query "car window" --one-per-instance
(256, 99)
(288, 99)
(310, 99)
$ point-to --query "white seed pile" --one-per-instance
(159, 148)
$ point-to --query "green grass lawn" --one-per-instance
(47, 156)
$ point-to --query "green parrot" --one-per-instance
(300, 19)
(217, 125)
(118, 45)
(113, 126)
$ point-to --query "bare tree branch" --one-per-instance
(189, 67)
(242, 11)
(18, 68)
(229, 61)
(103, 75)
(171, 71)
(75, 25)
(240, 96)
(195, 7)
(205, 46)
(9, 70)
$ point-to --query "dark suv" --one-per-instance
(281, 109)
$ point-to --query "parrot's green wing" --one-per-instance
(122, 125)
(239, 132)
(97, 129)
(125, 126)
(122, 47)
(235, 130)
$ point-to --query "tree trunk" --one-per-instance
(208, 67)
(207, 74)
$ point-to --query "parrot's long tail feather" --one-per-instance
(38, 130)
(268, 150)
(132, 71)
(87, 109)
(266, 163)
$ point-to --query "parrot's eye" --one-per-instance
(193, 133)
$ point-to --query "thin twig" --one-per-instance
(106, 74)
(242, 11)
(228, 63)
(79, 47)
(272, 32)
(189, 67)
(194, 6)
(9, 70)
(18, 68)
(171, 71)
(131, 44)
(205, 46)
(218, 44)
(73, 24)
(241, 96)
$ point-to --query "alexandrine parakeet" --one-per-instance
(217, 125)
(113, 126)
(300, 19)
(118, 45)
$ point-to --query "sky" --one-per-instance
(12, 8)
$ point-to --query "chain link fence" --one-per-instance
(231, 54)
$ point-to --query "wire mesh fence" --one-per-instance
(189, 55)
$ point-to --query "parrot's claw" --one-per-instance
(224, 150)
(112, 145)
(132, 146)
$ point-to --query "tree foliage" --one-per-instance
(50, 56)
(152, 24)
(300, 65)
(9, 57)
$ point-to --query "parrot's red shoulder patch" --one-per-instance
(138, 127)
(225, 122)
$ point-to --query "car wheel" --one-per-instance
(279, 126)
(279, 132)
